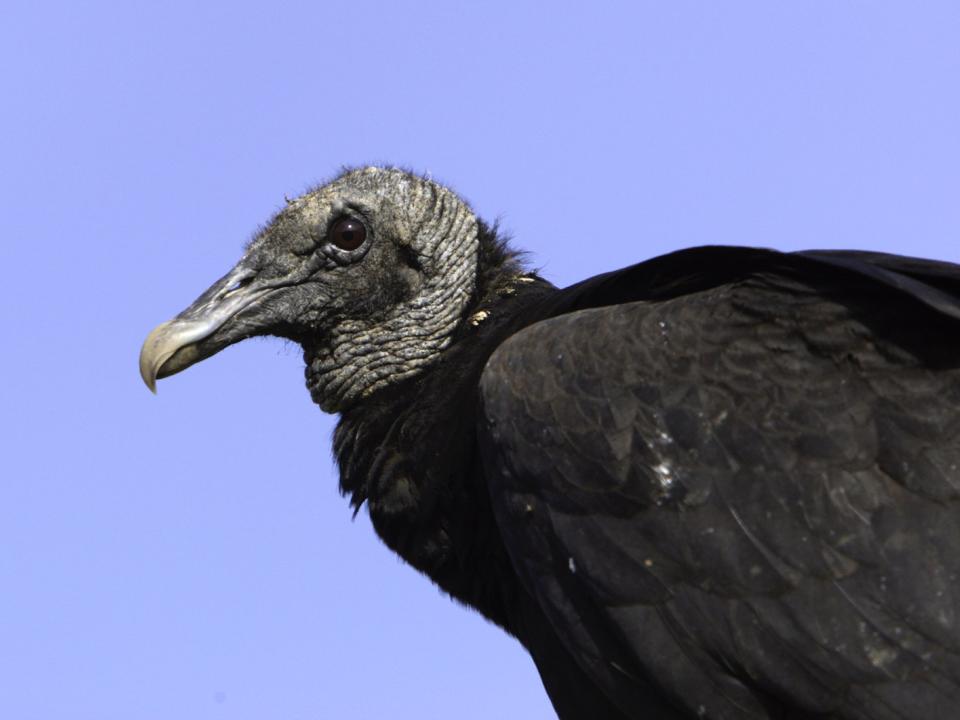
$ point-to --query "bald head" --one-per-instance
(371, 273)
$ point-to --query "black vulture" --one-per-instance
(721, 483)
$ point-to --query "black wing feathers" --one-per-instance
(742, 497)
(936, 284)
(933, 283)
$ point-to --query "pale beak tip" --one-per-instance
(152, 355)
(148, 374)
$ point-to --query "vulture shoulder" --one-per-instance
(732, 480)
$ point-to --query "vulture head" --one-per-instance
(370, 274)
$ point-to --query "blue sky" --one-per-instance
(187, 555)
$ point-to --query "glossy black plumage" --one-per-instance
(722, 483)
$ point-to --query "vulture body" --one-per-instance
(722, 483)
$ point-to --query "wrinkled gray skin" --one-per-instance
(365, 317)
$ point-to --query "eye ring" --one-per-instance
(347, 233)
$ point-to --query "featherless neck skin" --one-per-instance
(503, 290)
(360, 355)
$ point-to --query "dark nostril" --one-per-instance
(242, 282)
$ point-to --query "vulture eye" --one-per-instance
(347, 233)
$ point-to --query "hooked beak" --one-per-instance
(201, 330)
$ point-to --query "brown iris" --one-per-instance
(347, 233)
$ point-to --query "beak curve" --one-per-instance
(170, 348)
(193, 334)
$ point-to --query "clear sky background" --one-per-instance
(188, 555)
